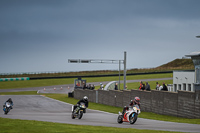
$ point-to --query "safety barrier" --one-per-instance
(182, 104)
(14, 79)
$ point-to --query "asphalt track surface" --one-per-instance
(38, 107)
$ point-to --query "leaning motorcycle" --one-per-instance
(7, 107)
(130, 115)
(78, 112)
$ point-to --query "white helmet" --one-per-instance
(85, 98)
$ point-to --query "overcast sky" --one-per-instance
(41, 35)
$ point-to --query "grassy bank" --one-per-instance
(49, 82)
(177, 64)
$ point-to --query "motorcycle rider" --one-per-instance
(9, 101)
(132, 103)
(84, 100)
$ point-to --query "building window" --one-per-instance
(189, 87)
(179, 86)
(184, 86)
(175, 87)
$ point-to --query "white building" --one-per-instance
(188, 80)
(183, 80)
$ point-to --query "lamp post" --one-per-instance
(124, 70)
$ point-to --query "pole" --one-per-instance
(119, 74)
(197, 36)
(124, 70)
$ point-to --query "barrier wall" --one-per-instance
(186, 105)
(170, 103)
(182, 104)
(14, 79)
(197, 104)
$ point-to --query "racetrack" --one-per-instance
(36, 107)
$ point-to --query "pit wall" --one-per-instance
(181, 104)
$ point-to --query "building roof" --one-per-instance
(193, 54)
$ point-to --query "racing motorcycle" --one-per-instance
(7, 107)
(130, 115)
(78, 112)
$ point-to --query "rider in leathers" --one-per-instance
(84, 100)
(132, 103)
(10, 101)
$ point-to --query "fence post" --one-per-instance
(97, 96)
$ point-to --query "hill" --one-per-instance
(184, 63)
(177, 64)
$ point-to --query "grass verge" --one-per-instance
(20, 93)
(31, 126)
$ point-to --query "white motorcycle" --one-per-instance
(130, 115)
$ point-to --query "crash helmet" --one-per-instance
(137, 100)
(10, 99)
(85, 98)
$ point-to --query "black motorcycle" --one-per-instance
(7, 107)
(78, 112)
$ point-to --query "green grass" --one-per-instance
(31, 126)
(34, 83)
(20, 93)
(50, 82)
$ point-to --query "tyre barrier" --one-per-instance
(14, 79)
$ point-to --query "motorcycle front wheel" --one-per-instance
(132, 118)
(73, 117)
(6, 111)
(120, 119)
(80, 115)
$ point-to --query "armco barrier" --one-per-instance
(182, 104)
(14, 79)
